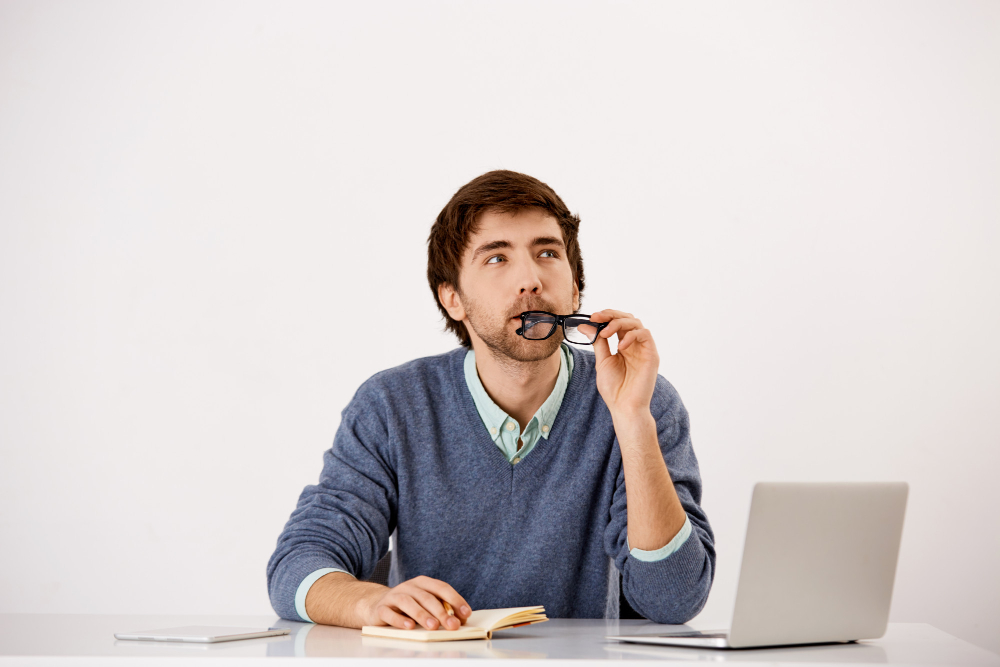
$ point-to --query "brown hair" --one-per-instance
(501, 191)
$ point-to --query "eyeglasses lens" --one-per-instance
(537, 327)
(581, 330)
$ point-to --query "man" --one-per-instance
(512, 472)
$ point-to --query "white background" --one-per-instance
(213, 220)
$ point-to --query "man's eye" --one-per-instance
(552, 252)
(497, 257)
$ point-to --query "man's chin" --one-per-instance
(523, 350)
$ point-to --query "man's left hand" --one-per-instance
(625, 380)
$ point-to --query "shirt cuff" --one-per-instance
(303, 590)
(645, 556)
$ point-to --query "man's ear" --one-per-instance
(576, 296)
(451, 301)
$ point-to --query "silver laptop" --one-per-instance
(819, 563)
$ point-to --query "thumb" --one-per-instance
(601, 349)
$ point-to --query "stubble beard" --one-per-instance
(503, 343)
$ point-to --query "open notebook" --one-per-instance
(482, 624)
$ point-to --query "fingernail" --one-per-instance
(465, 610)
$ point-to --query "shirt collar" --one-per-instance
(494, 417)
(489, 411)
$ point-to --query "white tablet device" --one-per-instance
(202, 634)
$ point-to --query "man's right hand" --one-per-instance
(333, 597)
(418, 601)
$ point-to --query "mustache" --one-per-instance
(531, 305)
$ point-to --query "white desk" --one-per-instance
(44, 639)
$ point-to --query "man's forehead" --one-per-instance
(520, 227)
(520, 217)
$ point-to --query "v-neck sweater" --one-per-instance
(411, 457)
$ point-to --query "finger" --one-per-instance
(390, 616)
(443, 590)
(609, 314)
(434, 606)
(620, 325)
(625, 341)
(414, 610)
(601, 349)
(641, 336)
(600, 316)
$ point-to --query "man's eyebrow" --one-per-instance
(488, 247)
(548, 240)
(496, 245)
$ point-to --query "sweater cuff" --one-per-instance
(303, 590)
(672, 590)
(659, 554)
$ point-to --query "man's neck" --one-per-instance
(518, 387)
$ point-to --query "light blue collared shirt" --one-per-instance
(504, 429)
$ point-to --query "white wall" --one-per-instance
(203, 204)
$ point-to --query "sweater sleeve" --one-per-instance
(345, 520)
(675, 588)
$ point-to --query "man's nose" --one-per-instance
(529, 280)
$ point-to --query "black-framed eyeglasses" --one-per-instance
(578, 329)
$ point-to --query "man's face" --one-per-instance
(515, 262)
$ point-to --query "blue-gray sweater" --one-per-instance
(411, 456)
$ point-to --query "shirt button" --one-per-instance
(510, 426)
(517, 459)
(545, 428)
(493, 431)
